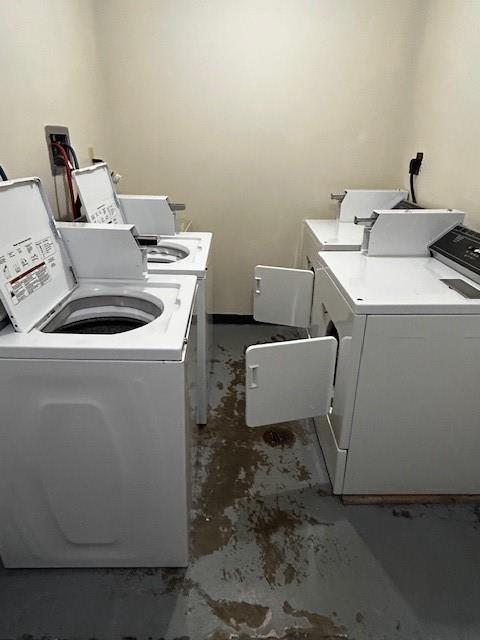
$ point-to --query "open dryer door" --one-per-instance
(289, 380)
(283, 296)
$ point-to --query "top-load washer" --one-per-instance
(341, 233)
(95, 428)
(167, 251)
(392, 381)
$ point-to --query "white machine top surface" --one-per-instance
(97, 194)
(332, 235)
(405, 285)
(35, 273)
(198, 245)
(162, 339)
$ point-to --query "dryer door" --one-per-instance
(283, 296)
(289, 380)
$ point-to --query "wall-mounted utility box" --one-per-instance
(60, 134)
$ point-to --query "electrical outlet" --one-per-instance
(56, 134)
(415, 164)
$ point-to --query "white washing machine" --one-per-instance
(341, 234)
(393, 383)
(168, 252)
(95, 418)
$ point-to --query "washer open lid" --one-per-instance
(98, 195)
(35, 271)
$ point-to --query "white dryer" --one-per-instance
(167, 251)
(392, 383)
(389, 232)
(95, 416)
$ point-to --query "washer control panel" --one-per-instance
(460, 246)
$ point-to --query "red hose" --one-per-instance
(66, 162)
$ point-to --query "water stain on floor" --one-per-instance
(233, 459)
(402, 513)
(279, 437)
(235, 454)
(288, 633)
(274, 529)
(237, 614)
(321, 626)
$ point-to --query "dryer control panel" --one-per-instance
(460, 249)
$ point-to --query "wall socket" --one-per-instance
(55, 133)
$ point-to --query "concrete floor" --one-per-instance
(274, 554)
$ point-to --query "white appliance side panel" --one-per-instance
(319, 318)
(335, 458)
(203, 363)
(330, 305)
(416, 421)
(98, 195)
(309, 248)
(93, 464)
(149, 214)
(289, 380)
(362, 202)
(308, 259)
(283, 296)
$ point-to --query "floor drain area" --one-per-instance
(279, 437)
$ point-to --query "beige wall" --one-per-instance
(49, 75)
(445, 113)
(252, 112)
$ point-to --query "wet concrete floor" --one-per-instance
(274, 554)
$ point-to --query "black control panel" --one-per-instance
(462, 246)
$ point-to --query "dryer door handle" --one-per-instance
(257, 285)
(252, 371)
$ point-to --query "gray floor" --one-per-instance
(274, 554)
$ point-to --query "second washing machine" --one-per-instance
(167, 252)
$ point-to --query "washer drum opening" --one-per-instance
(103, 315)
(167, 253)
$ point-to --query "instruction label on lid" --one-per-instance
(35, 274)
(25, 267)
(107, 213)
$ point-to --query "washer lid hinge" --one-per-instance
(74, 277)
(54, 310)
